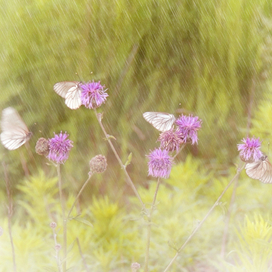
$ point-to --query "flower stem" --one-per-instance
(63, 218)
(226, 228)
(82, 256)
(78, 195)
(149, 227)
(204, 219)
(99, 118)
(10, 212)
(57, 251)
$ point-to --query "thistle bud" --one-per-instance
(135, 267)
(53, 225)
(42, 147)
(98, 164)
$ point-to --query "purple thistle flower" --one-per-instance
(160, 164)
(93, 94)
(188, 126)
(59, 148)
(250, 149)
(171, 140)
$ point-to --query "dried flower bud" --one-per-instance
(1, 231)
(42, 147)
(53, 225)
(135, 267)
(57, 247)
(98, 164)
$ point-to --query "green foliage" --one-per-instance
(252, 249)
(211, 58)
(112, 236)
(203, 57)
(262, 119)
(255, 243)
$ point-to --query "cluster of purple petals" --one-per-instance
(160, 164)
(188, 126)
(93, 95)
(250, 149)
(171, 140)
(59, 148)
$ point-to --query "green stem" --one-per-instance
(204, 219)
(78, 195)
(64, 219)
(99, 118)
(149, 227)
(10, 211)
(226, 228)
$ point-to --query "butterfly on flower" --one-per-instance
(260, 169)
(71, 91)
(162, 121)
(14, 131)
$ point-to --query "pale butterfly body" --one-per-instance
(261, 170)
(14, 131)
(162, 121)
(71, 91)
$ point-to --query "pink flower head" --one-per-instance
(59, 148)
(160, 164)
(188, 126)
(250, 149)
(93, 94)
(171, 140)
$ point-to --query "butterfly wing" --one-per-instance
(160, 120)
(261, 170)
(267, 176)
(14, 131)
(73, 97)
(71, 91)
(61, 88)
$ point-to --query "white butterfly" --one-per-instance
(71, 91)
(261, 170)
(162, 121)
(14, 131)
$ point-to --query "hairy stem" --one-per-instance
(99, 118)
(57, 251)
(204, 219)
(149, 227)
(78, 195)
(226, 228)
(10, 212)
(82, 257)
(63, 218)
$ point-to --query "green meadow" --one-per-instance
(207, 58)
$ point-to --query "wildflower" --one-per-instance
(135, 267)
(93, 95)
(59, 148)
(42, 147)
(53, 225)
(98, 164)
(160, 163)
(171, 140)
(250, 149)
(188, 126)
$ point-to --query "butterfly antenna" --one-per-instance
(80, 79)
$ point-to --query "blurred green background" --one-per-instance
(207, 58)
